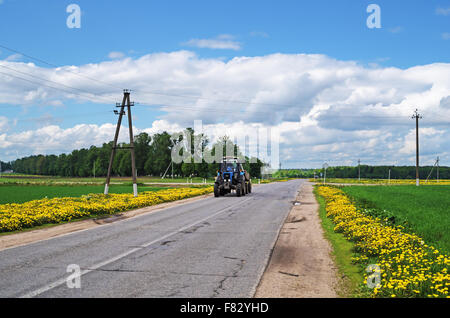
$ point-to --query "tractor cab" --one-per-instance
(229, 168)
(232, 176)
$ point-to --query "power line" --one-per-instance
(43, 79)
(57, 88)
(215, 99)
(56, 66)
(43, 118)
(147, 92)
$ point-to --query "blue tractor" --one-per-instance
(232, 176)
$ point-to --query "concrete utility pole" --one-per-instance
(389, 178)
(417, 116)
(359, 170)
(0, 169)
(437, 162)
(125, 103)
(325, 166)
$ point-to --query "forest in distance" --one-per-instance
(153, 158)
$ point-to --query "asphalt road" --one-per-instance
(215, 247)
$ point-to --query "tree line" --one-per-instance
(5, 166)
(152, 157)
(367, 172)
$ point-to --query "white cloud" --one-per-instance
(326, 109)
(221, 42)
(446, 35)
(396, 29)
(3, 124)
(443, 11)
(259, 34)
(116, 55)
(14, 57)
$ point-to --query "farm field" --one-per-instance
(18, 216)
(382, 181)
(407, 264)
(46, 180)
(424, 209)
(25, 193)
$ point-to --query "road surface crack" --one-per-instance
(220, 287)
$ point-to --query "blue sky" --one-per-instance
(413, 33)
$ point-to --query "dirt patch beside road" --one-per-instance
(301, 265)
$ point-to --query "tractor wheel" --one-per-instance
(216, 190)
(239, 190)
(243, 188)
(249, 187)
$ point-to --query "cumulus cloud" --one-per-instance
(3, 124)
(443, 11)
(14, 57)
(259, 34)
(325, 109)
(221, 42)
(396, 29)
(116, 55)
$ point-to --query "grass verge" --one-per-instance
(421, 210)
(25, 193)
(351, 275)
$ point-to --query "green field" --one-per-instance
(24, 193)
(46, 180)
(426, 210)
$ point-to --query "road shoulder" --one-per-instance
(301, 265)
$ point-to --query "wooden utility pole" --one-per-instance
(125, 103)
(417, 116)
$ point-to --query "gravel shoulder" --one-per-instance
(301, 265)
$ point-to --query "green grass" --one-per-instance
(425, 210)
(24, 193)
(47, 180)
(352, 275)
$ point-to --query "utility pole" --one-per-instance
(389, 178)
(437, 162)
(325, 166)
(0, 169)
(359, 170)
(125, 103)
(94, 169)
(417, 116)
